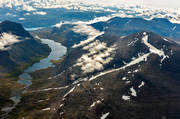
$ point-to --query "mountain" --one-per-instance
(17, 47)
(141, 81)
(126, 26)
(108, 76)
(14, 28)
(63, 34)
(116, 26)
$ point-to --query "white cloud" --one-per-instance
(27, 8)
(58, 25)
(10, 14)
(27, 14)
(85, 29)
(99, 55)
(39, 13)
(7, 39)
(124, 8)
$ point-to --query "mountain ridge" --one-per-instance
(125, 26)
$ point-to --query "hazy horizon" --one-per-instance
(158, 3)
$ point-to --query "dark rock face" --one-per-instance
(22, 52)
(14, 28)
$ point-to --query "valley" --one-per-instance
(54, 93)
(88, 60)
(57, 51)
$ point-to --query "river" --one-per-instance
(57, 51)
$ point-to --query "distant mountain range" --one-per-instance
(116, 26)
(45, 13)
(125, 26)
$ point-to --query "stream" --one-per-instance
(57, 51)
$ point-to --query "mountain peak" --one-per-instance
(13, 28)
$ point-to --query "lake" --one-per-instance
(57, 51)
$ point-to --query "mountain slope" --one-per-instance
(145, 86)
(17, 47)
(133, 77)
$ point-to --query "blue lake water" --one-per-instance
(57, 51)
(25, 79)
(33, 29)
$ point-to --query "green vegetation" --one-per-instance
(55, 62)
(47, 34)
(9, 84)
(20, 69)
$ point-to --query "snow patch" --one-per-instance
(48, 89)
(171, 52)
(141, 85)
(133, 92)
(70, 91)
(135, 71)
(152, 49)
(124, 78)
(133, 62)
(133, 42)
(124, 97)
(46, 109)
(104, 116)
(61, 105)
(127, 82)
(95, 103)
